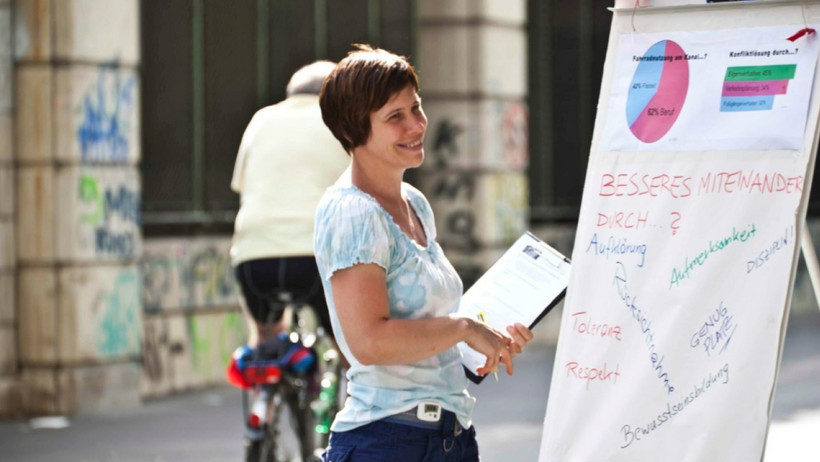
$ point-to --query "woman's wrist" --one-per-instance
(463, 326)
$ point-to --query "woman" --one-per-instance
(391, 292)
(286, 160)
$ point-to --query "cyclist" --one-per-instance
(286, 160)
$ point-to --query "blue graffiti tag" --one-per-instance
(102, 134)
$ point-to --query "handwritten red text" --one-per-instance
(590, 374)
(625, 220)
(584, 324)
(637, 184)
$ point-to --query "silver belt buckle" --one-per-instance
(428, 412)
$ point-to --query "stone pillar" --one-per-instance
(473, 70)
(77, 147)
(9, 380)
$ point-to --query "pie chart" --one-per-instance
(658, 91)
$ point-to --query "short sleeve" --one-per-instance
(350, 229)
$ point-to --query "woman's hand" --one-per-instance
(520, 335)
(497, 347)
(491, 343)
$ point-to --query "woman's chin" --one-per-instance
(419, 159)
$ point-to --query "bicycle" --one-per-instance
(290, 390)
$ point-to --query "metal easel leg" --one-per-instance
(807, 246)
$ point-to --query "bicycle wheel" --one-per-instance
(253, 451)
(253, 439)
(303, 425)
(263, 450)
(279, 441)
(285, 437)
(297, 421)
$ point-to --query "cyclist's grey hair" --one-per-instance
(308, 79)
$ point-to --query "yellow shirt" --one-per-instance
(286, 160)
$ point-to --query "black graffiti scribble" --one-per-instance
(445, 144)
(154, 339)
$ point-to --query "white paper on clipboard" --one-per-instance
(527, 281)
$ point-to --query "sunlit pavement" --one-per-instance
(796, 440)
(206, 426)
(794, 434)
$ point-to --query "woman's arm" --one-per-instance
(360, 296)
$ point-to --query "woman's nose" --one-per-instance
(418, 124)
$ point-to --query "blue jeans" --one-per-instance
(382, 441)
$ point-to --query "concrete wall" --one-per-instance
(79, 309)
(192, 319)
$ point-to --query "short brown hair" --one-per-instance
(360, 84)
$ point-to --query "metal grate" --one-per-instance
(208, 65)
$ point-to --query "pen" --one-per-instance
(483, 319)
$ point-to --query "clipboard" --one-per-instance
(528, 281)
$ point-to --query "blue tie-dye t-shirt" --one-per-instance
(352, 228)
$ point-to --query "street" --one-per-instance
(206, 426)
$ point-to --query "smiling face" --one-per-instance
(396, 132)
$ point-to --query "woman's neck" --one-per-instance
(385, 186)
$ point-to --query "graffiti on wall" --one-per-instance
(454, 187)
(162, 356)
(109, 214)
(102, 313)
(495, 135)
(117, 333)
(155, 346)
(106, 113)
(210, 276)
(195, 356)
(187, 274)
(445, 142)
(509, 198)
(515, 135)
(452, 192)
(213, 340)
(159, 273)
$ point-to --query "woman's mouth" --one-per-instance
(415, 145)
